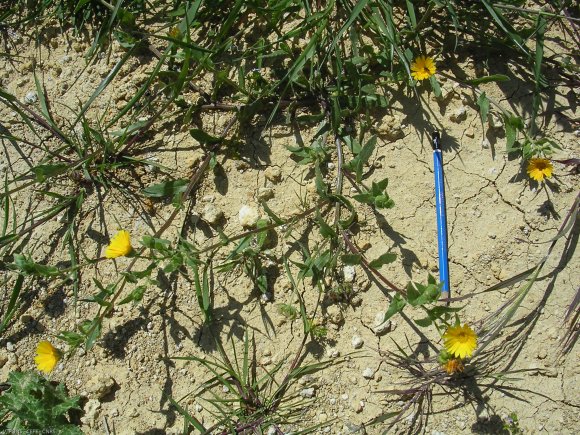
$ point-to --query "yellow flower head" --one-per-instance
(538, 169)
(46, 357)
(460, 341)
(454, 365)
(423, 68)
(120, 245)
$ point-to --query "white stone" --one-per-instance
(368, 373)
(265, 193)
(211, 214)
(273, 174)
(307, 392)
(31, 97)
(248, 216)
(349, 273)
(485, 144)
(357, 342)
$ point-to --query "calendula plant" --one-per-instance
(32, 403)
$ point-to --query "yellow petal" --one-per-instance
(120, 245)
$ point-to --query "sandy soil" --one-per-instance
(499, 224)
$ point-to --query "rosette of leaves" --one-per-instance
(32, 402)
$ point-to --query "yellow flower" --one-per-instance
(454, 365)
(46, 357)
(538, 169)
(120, 245)
(423, 68)
(460, 341)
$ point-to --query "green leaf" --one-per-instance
(203, 137)
(156, 244)
(396, 305)
(418, 294)
(424, 322)
(365, 198)
(487, 79)
(383, 201)
(387, 258)
(351, 259)
(43, 172)
(27, 266)
(167, 189)
(483, 103)
(435, 86)
(136, 295)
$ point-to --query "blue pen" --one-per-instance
(441, 215)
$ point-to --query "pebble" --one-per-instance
(198, 407)
(357, 405)
(349, 273)
(272, 430)
(334, 315)
(211, 214)
(99, 386)
(273, 174)
(266, 297)
(10, 346)
(31, 97)
(265, 193)
(485, 144)
(248, 216)
(307, 392)
(357, 342)
(344, 397)
(459, 114)
(380, 326)
(368, 373)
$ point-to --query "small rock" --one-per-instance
(470, 132)
(10, 346)
(198, 407)
(31, 97)
(273, 174)
(265, 193)
(459, 115)
(344, 397)
(368, 373)
(380, 326)
(272, 430)
(211, 214)
(357, 406)
(307, 392)
(91, 408)
(266, 297)
(349, 273)
(248, 216)
(357, 342)
(485, 144)
(334, 315)
(99, 386)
